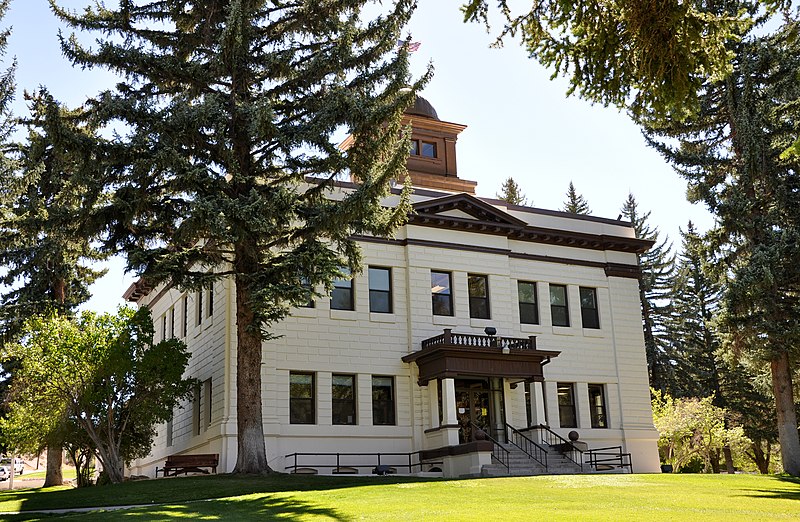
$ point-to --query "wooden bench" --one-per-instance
(177, 464)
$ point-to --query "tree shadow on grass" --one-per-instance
(263, 508)
(787, 488)
(179, 490)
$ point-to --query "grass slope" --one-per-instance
(581, 497)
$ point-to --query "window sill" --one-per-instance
(563, 330)
(447, 320)
(593, 332)
(531, 328)
(378, 317)
(344, 315)
(304, 312)
(480, 323)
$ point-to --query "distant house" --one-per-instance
(478, 317)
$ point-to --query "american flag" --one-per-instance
(411, 46)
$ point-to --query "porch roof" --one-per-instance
(452, 355)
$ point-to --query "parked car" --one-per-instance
(5, 468)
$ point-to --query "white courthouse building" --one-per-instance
(478, 321)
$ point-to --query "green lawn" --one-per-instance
(67, 474)
(582, 497)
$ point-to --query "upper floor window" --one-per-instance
(382, 400)
(558, 305)
(380, 290)
(301, 398)
(426, 149)
(441, 295)
(478, 296)
(185, 324)
(172, 322)
(597, 406)
(566, 405)
(589, 315)
(210, 302)
(310, 292)
(528, 307)
(344, 399)
(342, 294)
(198, 299)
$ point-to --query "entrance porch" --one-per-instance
(468, 378)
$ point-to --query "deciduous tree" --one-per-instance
(229, 168)
(104, 374)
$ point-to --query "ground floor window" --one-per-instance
(566, 405)
(597, 406)
(383, 400)
(301, 398)
(344, 399)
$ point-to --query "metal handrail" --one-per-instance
(559, 443)
(339, 465)
(532, 449)
(499, 453)
(611, 458)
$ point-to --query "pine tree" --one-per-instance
(731, 155)
(575, 203)
(45, 252)
(657, 267)
(695, 300)
(230, 165)
(512, 193)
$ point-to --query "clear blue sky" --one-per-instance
(520, 123)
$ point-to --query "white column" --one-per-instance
(433, 404)
(449, 402)
(537, 404)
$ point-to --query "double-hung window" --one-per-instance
(478, 286)
(528, 307)
(559, 309)
(597, 406)
(343, 391)
(309, 303)
(566, 405)
(301, 398)
(441, 293)
(589, 315)
(382, 400)
(380, 290)
(342, 295)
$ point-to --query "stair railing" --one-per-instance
(499, 453)
(548, 437)
(532, 449)
(611, 456)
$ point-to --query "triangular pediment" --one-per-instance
(465, 207)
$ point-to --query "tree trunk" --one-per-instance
(715, 456)
(252, 454)
(787, 417)
(726, 450)
(53, 476)
(760, 458)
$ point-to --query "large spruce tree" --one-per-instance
(44, 249)
(731, 154)
(228, 166)
(657, 267)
